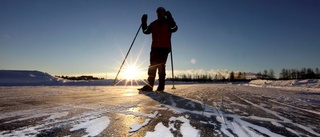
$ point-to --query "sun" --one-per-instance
(131, 72)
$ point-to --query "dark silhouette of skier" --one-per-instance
(161, 30)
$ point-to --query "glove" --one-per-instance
(144, 18)
(168, 14)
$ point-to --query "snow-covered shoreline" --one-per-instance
(306, 84)
(38, 78)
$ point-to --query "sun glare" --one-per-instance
(131, 73)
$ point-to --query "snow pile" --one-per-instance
(38, 78)
(24, 77)
(308, 83)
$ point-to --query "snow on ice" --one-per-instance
(93, 127)
(34, 103)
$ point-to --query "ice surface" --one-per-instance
(260, 108)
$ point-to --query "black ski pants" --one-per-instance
(158, 59)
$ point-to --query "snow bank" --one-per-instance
(308, 83)
(24, 77)
(38, 78)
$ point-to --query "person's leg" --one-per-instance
(162, 69)
(158, 59)
(162, 77)
(151, 75)
(151, 72)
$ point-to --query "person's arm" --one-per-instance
(145, 28)
(172, 24)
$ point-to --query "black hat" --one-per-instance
(161, 9)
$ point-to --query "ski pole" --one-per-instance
(126, 55)
(172, 71)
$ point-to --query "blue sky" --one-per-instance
(74, 37)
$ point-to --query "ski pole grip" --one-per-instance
(144, 18)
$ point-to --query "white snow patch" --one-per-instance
(93, 127)
(57, 115)
(276, 124)
(26, 117)
(186, 129)
(140, 114)
(136, 126)
(160, 131)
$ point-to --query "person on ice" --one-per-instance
(161, 30)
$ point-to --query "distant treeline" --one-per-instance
(285, 74)
(266, 75)
(304, 73)
(79, 77)
(194, 78)
(239, 76)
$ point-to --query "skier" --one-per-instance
(161, 30)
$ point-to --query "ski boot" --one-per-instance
(146, 88)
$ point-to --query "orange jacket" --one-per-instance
(161, 32)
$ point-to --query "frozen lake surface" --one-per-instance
(192, 110)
